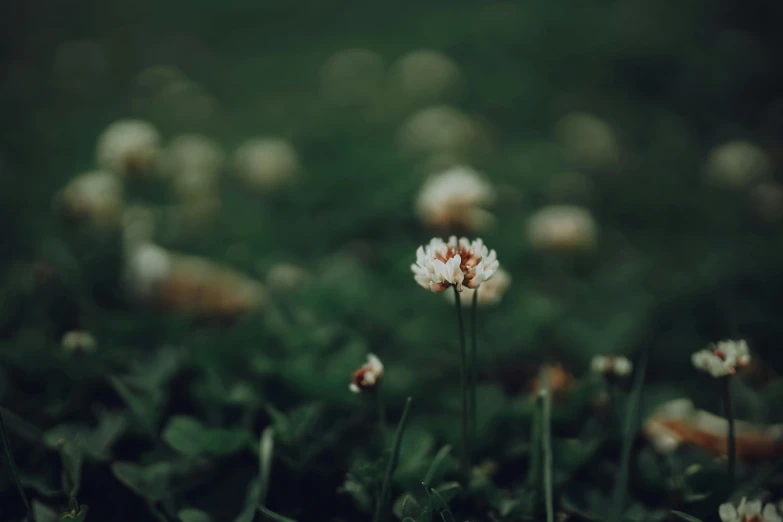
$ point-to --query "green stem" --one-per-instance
(628, 433)
(9, 456)
(463, 374)
(546, 441)
(731, 449)
(473, 370)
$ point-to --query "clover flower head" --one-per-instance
(748, 511)
(128, 147)
(78, 341)
(611, 365)
(368, 376)
(722, 358)
(456, 197)
(458, 263)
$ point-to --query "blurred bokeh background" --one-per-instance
(246, 239)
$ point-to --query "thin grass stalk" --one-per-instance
(474, 370)
(731, 449)
(463, 374)
(546, 442)
(382, 502)
(9, 457)
(629, 432)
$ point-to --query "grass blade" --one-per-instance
(629, 430)
(9, 457)
(266, 448)
(546, 441)
(380, 505)
(685, 516)
(436, 464)
(271, 515)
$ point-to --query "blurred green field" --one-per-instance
(168, 411)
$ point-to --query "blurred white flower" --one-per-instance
(588, 141)
(368, 376)
(611, 365)
(149, 82)
(79, 341)
(748, 511)
(352, 76)
(492, 290)
(426, 76)
(440, 265)
(128, 147)
(661, 429)
(147, 266)
(438, 129)
(722, 358)
(736, 164)
(562, 228)
(287, 277)
(193, 152)
(454, 199)
(266, 164)
(95, 196)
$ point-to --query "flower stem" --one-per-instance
(731, 445)
(463, 374)
(473, 369)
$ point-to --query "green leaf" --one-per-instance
(193, 515)
(92, 443)
(79, 514)
(189, 436)
(685, 516)
(145, 406)
(43, 513)
(381, 501)
(438, 466)
(71, 456)
(151, 482)
(410, 506)
(270, 515)
(448, 490)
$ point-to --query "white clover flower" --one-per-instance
(425, 76)
(454, 198)
(79, 341)
(611, 365)
(563, 228)
(368, 376)
(266, 164)
(736, 164)
(440, 265)
(588, 140)
(147, 266)
(128, 147)
(748, 511)
(95, 196)
(491, 291)
(193, 152)
(722, 358)
(438, 129)
(352, 76)
(658, 428)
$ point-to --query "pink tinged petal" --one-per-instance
(438, 287)
(369, 378)
(354, 388)
(728, 513)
